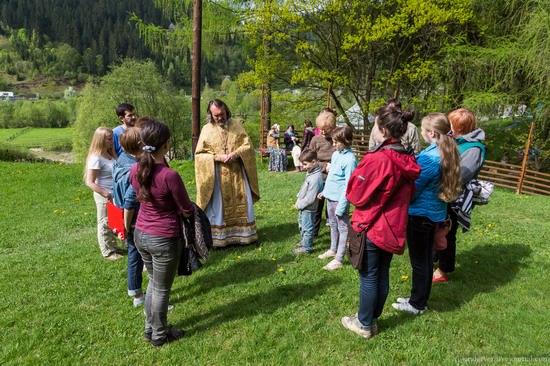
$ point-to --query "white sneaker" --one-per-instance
(407, 308)
(351, 323)
(328, 254)
(139, 301)
(402, 300)
(333, 265)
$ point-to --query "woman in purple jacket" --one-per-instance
(163, 199)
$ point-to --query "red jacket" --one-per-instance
(369, 188)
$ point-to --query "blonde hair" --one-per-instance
(450, 181)
(98, 147)
(326, 119)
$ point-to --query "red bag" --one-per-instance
(441, 229)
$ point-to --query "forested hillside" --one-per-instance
(102, 33)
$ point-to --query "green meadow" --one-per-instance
(62, 304)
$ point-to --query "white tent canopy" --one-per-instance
(355, 117)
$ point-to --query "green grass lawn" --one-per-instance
(62, 304)
(46, 138)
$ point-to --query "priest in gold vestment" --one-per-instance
(227, 178)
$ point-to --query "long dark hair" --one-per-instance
(153, 135)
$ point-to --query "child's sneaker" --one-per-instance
(300, 250)
(138, 301)
(352, 323)
(328, 254)
(333, 265)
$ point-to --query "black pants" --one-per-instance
(420, 236)
(447, 256)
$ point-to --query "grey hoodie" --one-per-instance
(471, 159)
(307, 197)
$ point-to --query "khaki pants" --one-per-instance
(105, 237)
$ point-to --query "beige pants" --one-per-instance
(105, 237)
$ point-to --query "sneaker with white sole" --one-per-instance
(402, 300)
(352, 323)
(328, 254)
(139, 301)
(333, 265)
(407, 308)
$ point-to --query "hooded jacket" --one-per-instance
(472, 154)
(124, 194)
(370, 187)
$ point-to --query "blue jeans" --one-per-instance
(135, 266)
(161, 257)
(374, 283)
(306, 225)
(338, 230)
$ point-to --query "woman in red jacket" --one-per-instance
(381, 189)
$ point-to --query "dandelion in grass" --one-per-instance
(260, 249)
(238, 257)
(273, 259)
(55, 211)
(77, 199)
(404, 278)
(280, 270)
(62, 212)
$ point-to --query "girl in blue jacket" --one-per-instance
(342, 164)
(438, 184)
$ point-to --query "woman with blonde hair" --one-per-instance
(99, 177)
(438, 184)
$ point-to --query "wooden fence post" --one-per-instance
(525, 157)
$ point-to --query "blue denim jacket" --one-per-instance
(124, 194)
(342, 164)
(425, 201)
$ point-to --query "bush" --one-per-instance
(40, 113)
(140, 84)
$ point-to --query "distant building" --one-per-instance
(6, 96)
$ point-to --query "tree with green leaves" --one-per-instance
(368, 50)
(140, 84)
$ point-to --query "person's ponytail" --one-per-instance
(451, 184)
(450, 180)
(153, 135)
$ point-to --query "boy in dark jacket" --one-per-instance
(307, 201)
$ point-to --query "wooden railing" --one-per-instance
(508, 176)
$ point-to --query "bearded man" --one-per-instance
(227, 177)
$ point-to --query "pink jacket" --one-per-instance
(370, 187)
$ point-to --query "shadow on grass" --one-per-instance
(481, 269)
(261, 303)
(278, 233)
(240, 271)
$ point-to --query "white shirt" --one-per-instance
(105, 167)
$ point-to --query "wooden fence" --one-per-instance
(509, 176)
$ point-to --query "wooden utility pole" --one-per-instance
(329, 99)
(262, 123)
(196, 74)
(525, 157)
